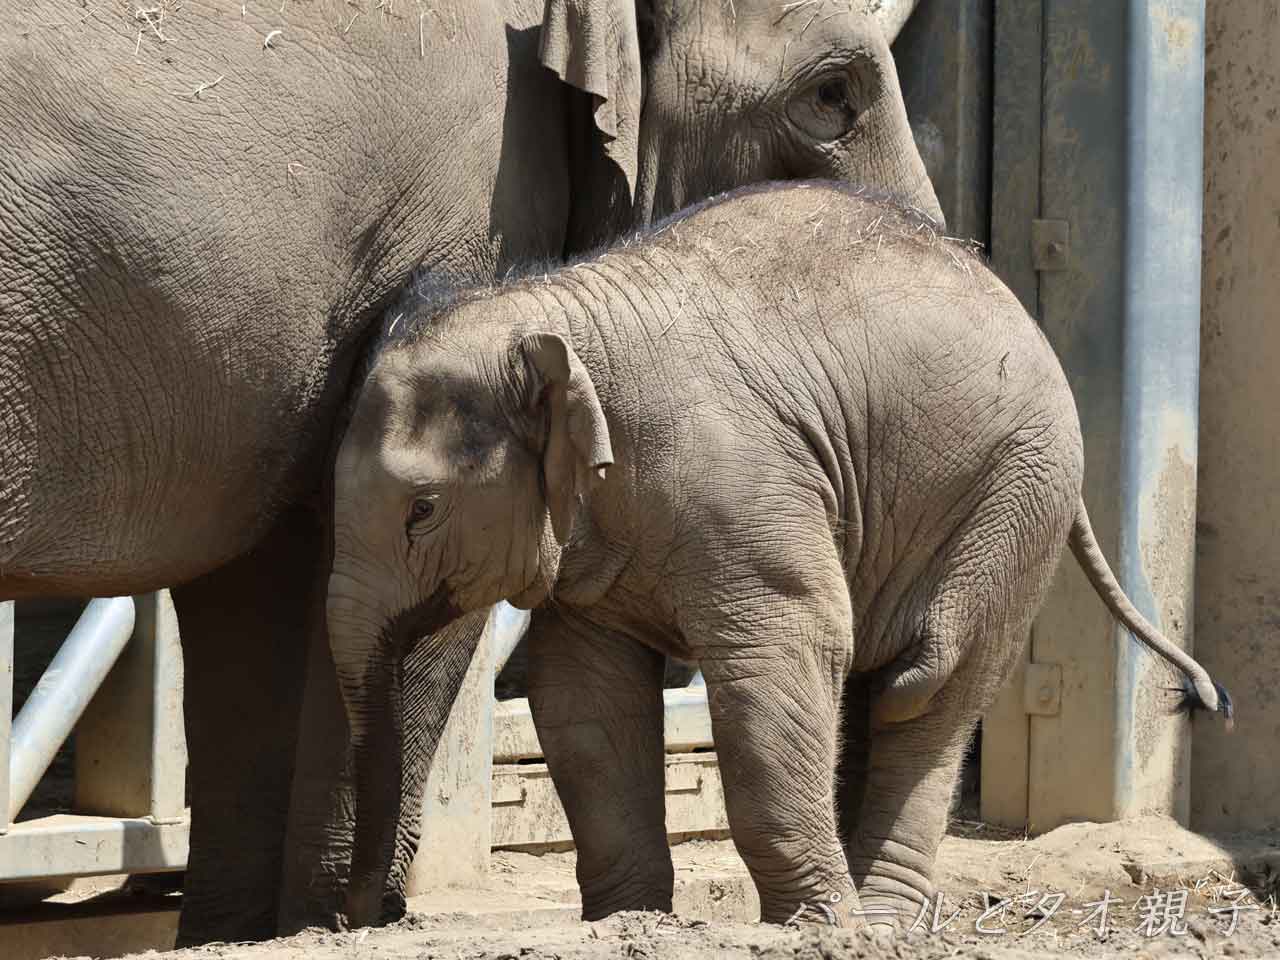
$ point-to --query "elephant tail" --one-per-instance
(1203, 693)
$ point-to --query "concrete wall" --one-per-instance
(1236, 777)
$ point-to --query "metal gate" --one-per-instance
(1097, 154)
(117, 679)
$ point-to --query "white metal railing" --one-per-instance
(63, 693)
(686, 719)
(117, 679)
(526, 810)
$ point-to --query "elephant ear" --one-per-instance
(577, 446)
(594, 45)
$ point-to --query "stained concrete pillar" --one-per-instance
(1235, 782)
(457, 813)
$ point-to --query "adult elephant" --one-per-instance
(204, 209)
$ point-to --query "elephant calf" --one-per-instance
(793, 435)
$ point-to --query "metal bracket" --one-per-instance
(509, 790)
(1042, 689)
(1050, 245)
(683, 778)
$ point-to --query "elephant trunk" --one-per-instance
(378, 749)
(916, 188)
(899, 163)
(893, 15)
(370, 679)
(399, 671)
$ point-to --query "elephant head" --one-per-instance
(456, 482)
(689, 99)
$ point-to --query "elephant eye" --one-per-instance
(824, 109)
(832, 94)
(421, 511)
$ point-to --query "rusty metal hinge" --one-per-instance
(1042, 689)
(1050, 245)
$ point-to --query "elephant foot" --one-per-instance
(811, 916)
(890, 913)
(839, 907)
(364, 904)
(884, 936)
(654, 896)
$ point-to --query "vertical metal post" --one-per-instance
(1015, 203)
(1117, 156)
(508, 626)
(131, 754)
(6, 707)
(1016, 124)
(944, 59)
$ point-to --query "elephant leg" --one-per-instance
(596, 699)
(906, 791)
(243, 638)
(922, 711)
(774, 696)
(270, 776)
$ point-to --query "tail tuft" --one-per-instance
(1202, 691)
(1190, 702)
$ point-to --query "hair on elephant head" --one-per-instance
(689, 99)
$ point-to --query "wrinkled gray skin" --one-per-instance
(198, 230)
(794, 437)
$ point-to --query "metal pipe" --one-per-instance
(508, 626)
(686, 725)
(64, 690)
(6, 707)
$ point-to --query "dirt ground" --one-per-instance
(1191, 883)
(529, 908)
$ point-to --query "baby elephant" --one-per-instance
(792, 435)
